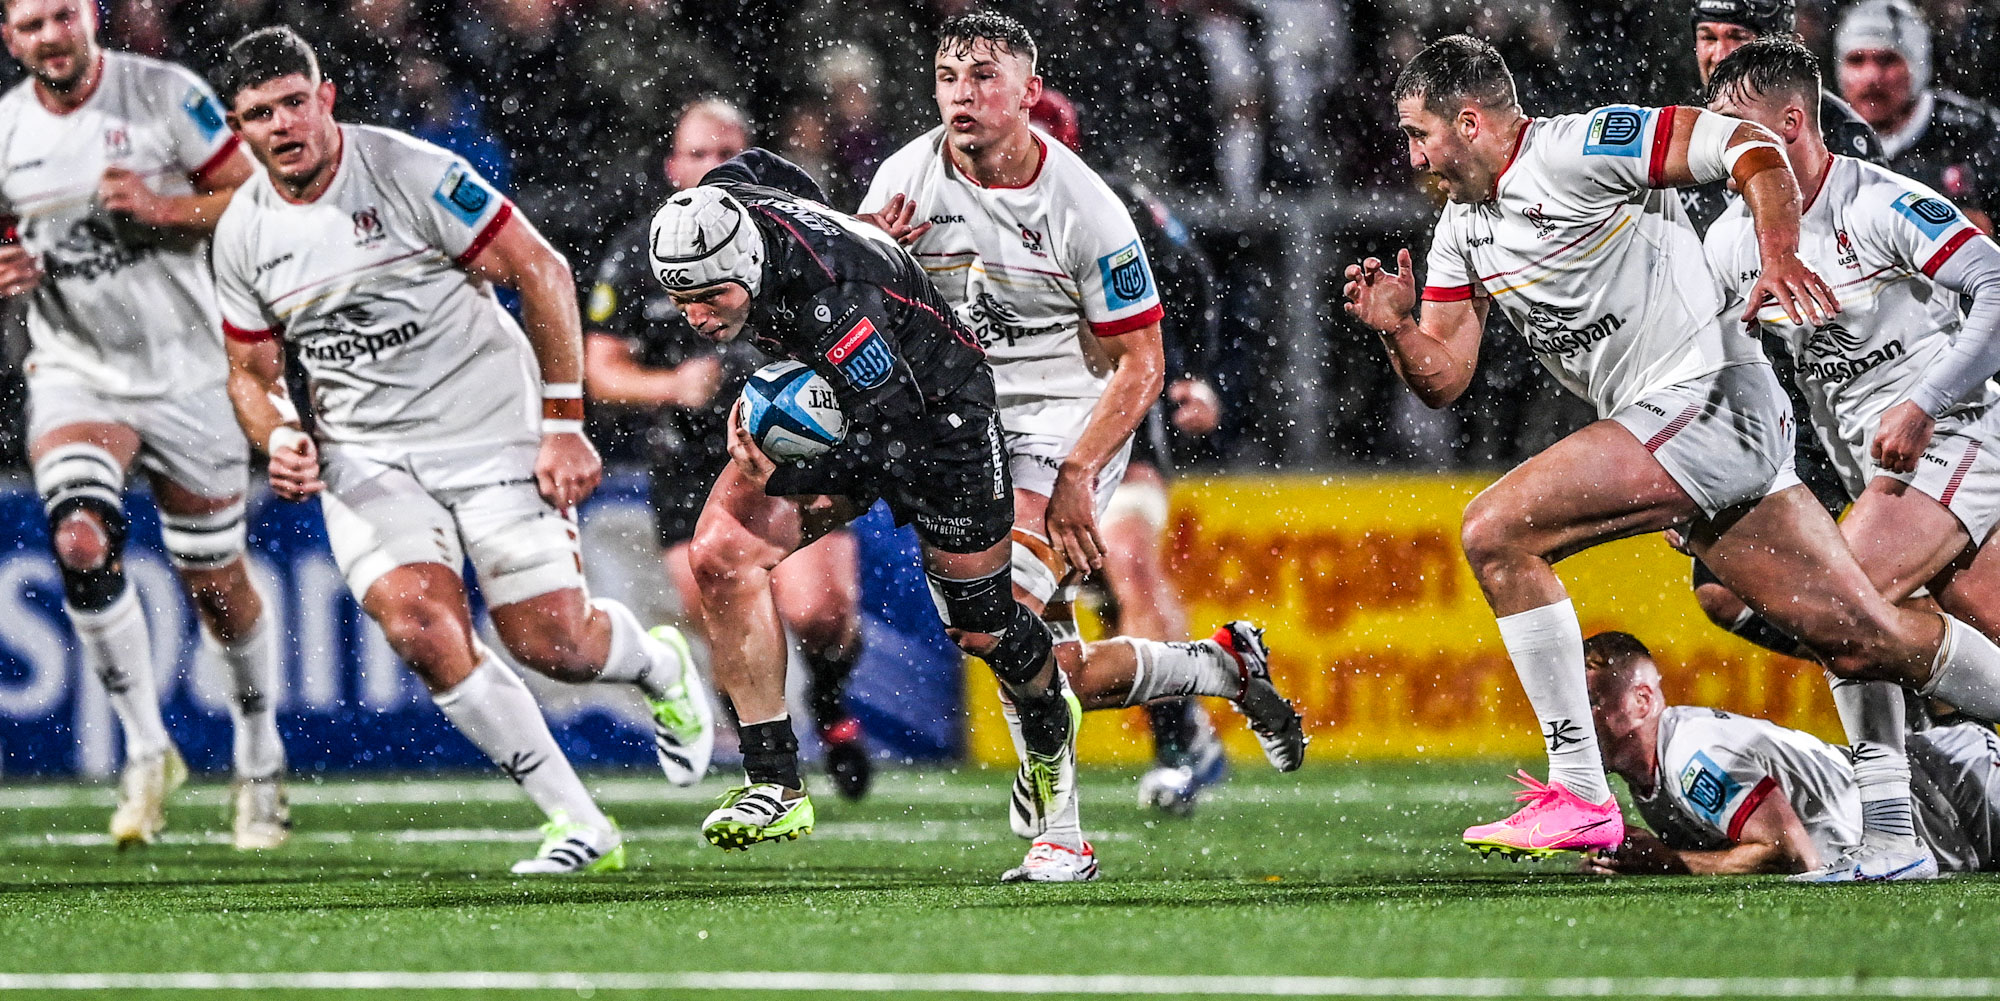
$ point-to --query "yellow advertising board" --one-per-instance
(1379, 632)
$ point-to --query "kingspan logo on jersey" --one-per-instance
(1833, 353)
(344, 336)
(1550, 332)
(996, 321)
(91, 250)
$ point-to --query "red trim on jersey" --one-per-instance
(1663, 137)
(1823, 176)
(800, 237)
(1559, 251)
(1750, 804)
(1029, 183)
(1447, 293)
(1113, 328)
(486, 235)
(1950, 247)
(1520, 138)
(384, 262)
(242, 336)
(229, 146)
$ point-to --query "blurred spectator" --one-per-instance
(431, 108)
(1945, 139)
(857, 142)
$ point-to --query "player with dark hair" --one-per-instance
(1187, 753)
(1041, 260)
(1729, 794)
(1899, 389)
(117, 168)
(1567, 225)
(375, 256)
(753, 249)
(639, 352)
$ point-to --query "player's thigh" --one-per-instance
(1901, 536)
(1132, 527)
(743, 528)
(820, 584)
(69, 411)
(1970, 588)
(1593, 486)
(379, 519)
(1785, 557)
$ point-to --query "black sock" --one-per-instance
(826, 682)
(1044, 720)
(771, 752)
(1173, 730)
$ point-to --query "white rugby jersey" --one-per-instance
(128, 308)
(1877, 238)
(1594, 264)
(1030, 270)
(1715, 767)
(399, 343)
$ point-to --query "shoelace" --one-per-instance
(741, 796)
(676, 714)
(1536, 792)
(1042, 775)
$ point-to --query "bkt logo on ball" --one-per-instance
(791, 411)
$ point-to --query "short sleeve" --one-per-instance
(201, 137)
(245, 318)
(456, 208)
(1719, 786)
(1447, 273)
(1622, 148)
(1916, 226)
(1112, 274)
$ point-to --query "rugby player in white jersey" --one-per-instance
(117, 167)
(1039, 258)
(1733, 794)
(374, 255)
(1564, 223)
(1899, 387)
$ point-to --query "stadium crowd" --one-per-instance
(568, 105)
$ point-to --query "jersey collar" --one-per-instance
(1041, 162)
(1520, 139)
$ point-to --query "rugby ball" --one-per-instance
(791, 412)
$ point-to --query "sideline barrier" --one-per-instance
(1379, 631)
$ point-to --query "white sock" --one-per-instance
(1966, 672)
(253, 685)
(496, 712)
(636, 658)
(1872, 714)
(1546, 645)
(118, 650)
(1066, 823)
(1167, 670)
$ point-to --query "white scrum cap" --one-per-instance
(703, 236)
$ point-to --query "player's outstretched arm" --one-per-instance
(568, 468)
(1435, 355)
(1706, 146)
(613, 374)
(1771, 839)
(265, 412)
(1137, 373)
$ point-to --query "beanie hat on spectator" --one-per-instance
(703, 236)
(1892, 25)
(1056, 115)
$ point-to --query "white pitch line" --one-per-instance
(1025, 984)
(379, 792)
(899, 831)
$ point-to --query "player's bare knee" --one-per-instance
(823, 621)
(1490, 539)
(81, 541)
(722, 561)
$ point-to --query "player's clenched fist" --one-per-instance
(1901, 437)
(294, 463)
(567, 469)
(125, 192)
(750, 459)
(20, 273)
(1381, 299)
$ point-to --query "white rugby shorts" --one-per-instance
(190, 437)
(385, 510)
(1960, 470)
(1726, 438)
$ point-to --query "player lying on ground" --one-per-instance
(1899, 388)
(639, 352)
(375, 255)
(751, 249)
(117, 168)
(1039, 258)
(1565, 224)
(1730, 794)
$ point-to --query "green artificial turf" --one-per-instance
(1335, 871)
